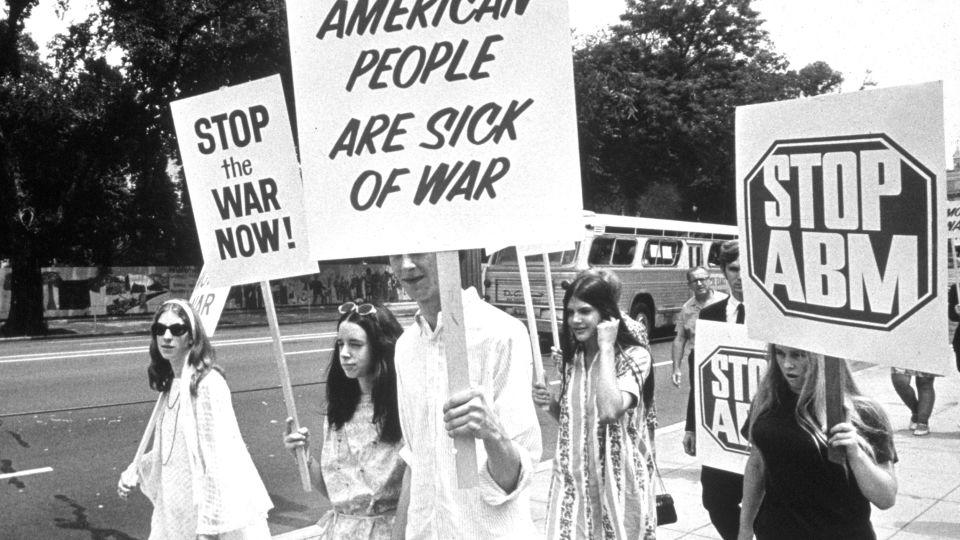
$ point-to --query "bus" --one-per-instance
(651, 257)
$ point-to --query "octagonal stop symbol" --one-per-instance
(729, 378)
(842, 230)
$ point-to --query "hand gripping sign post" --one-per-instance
(840, 201)
(435, 126)
(728, 369)
(241, 170)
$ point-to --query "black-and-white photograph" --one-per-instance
(479, 269)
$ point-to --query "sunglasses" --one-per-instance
(360, 309)
(177, 329)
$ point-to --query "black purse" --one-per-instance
(666, 511)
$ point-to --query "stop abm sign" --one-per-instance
(841, 203)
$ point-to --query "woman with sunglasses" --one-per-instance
(198, 474)
(601, 485)
(359, 467)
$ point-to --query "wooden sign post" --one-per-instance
(285, 379)
(833, 379)
(531, 318)
(455, 350)
(548, 276)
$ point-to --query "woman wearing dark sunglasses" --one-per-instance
(198, 474)
(359, 467)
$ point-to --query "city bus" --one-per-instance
(651, 257)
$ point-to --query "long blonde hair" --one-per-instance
(811, 410)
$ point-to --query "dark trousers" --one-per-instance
(722, 492)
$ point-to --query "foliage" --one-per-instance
(656, 97)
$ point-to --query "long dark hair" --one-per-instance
(591, 288)
(160, 372)
(343, 393)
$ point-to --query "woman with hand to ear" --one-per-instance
(601, 486)
(357, 463)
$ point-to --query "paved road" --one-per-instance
(79, 406)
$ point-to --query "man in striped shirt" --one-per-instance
(497, 410)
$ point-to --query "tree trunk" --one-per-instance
(26, 296)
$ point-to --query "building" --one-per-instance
(953, 178)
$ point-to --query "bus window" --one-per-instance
(696, 255)
(713, 258)
(600, 251)
(662, 252)
(624, 250)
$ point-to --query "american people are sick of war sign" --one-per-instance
(841, 204)
(430, 125)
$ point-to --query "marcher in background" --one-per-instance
(698, 279)
(791, 490)
(920, 402)
(601, 486)
(198, 475)
(722, 490)
(497, 410)
(359, 467)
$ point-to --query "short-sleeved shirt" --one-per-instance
(686, 321)
(808, 496)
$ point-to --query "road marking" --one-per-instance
(32, 357)
(26, 473)
(307, 352)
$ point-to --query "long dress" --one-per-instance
(601, 486)
(363, 477)
(203, 480)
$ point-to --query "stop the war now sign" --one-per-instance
(244, 183)
(728, 369)
(841, 204)
(435, 125)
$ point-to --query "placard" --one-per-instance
(244, 182)
(208, 302)
(841, 205)
(434, 126)
(728, 370)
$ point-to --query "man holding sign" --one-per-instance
(496, 409)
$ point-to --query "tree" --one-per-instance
(656, 97)
(67, 135)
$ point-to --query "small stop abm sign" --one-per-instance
(843, 230)
(729, 378)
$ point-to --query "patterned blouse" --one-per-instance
(601, 486)
(363, 476)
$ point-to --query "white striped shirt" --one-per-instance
(500, 361)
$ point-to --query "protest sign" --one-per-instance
(728, 369)
(208, 301)
(435, 126)
(841, 206)
(245, 189)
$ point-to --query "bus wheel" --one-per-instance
(644, 314)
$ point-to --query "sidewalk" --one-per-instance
(928, 502)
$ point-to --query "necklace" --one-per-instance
(176, 420)
(176, 399)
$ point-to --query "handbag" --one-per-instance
(666, 511)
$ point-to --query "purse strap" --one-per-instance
(656, 469)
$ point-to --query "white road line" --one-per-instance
(27, 472)
(32, 357)
(307, 352)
